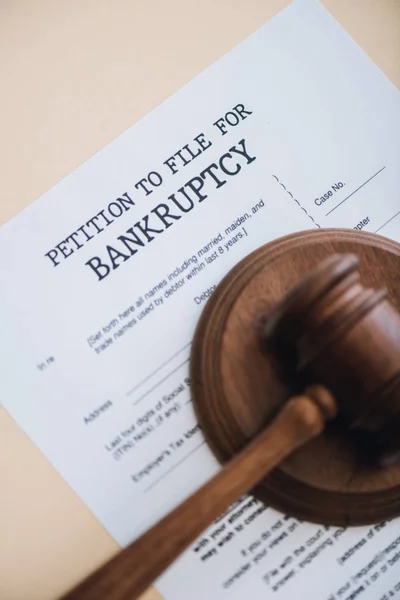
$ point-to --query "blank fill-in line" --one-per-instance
(388, 221)
(156, 370)
(160, 382)
(156, 481)
(352, 193)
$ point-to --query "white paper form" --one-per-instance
(103, 280)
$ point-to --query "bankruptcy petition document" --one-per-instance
(104, 277)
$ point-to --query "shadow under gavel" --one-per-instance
(343, 341)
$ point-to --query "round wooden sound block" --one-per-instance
(237, 387)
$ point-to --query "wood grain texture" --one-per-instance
(237, 388)
(330, 326)
(59, 128)
(135, 568)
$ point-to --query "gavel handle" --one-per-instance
(134, 569)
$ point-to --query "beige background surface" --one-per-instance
(74, 74)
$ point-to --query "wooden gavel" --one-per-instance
(329, 334)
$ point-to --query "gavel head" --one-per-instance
(332, 330)
(326, 320)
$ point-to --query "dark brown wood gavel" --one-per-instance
(335, 345)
